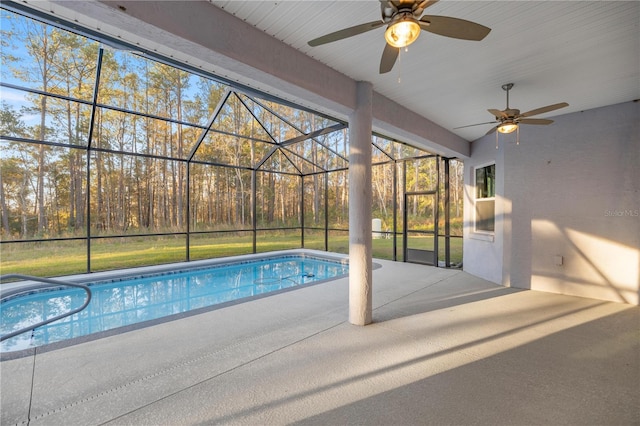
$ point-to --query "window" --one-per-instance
(485, 184)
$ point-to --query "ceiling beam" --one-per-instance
(227, 46)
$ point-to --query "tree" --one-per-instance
(10, 125)
(42, 43)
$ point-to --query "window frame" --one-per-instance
(476, 199)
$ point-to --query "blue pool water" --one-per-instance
(121, 303)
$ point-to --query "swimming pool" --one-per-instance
(121, 302)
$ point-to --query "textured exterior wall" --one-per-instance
(483, 253)
(571, 189)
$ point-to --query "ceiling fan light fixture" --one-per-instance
(402, 32)
(507, 127)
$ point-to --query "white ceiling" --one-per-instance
(586, 53)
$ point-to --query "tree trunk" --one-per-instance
(5, 210)
(41, 169)
(181, 177)
(23, 205)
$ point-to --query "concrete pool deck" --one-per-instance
(445, 348)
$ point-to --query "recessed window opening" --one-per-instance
(485, 192)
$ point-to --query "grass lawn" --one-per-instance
(57, 258)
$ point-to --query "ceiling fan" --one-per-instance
(404, 22)
(509, 119)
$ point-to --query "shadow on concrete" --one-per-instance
(588, 374)
(553, 373)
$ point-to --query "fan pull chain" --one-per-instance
(518, 135)
(496, 139)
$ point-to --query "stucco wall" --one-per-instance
(483, 253)
(571, 189)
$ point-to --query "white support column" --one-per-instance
(360, 199)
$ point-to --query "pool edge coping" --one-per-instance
(10, 288)
(159, 269)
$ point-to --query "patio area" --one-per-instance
(445, 348)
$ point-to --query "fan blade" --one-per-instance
(535, 121)
(471, 125)
(498, 113)
(345, 33)
(423, 5)
(548, 108)
(453, 27)
(493, 129)
(389, 56)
